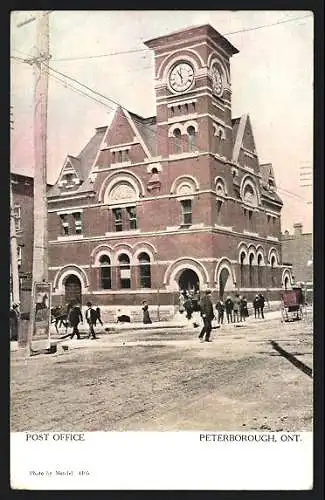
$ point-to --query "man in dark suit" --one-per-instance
(206, 307)
(75, 316)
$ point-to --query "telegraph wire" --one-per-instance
(133, 51)
(144, 125)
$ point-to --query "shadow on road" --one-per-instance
(290, 357)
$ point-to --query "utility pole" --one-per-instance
(40, 250)
(13, 251)
(14, 273)
(40, 62)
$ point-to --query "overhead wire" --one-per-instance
(132, 51)
(144, 125)
(116, 103)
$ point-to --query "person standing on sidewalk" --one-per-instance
(91, 318)
(262, 303)
(220, 306)
(98, 316)
(188, 306)
(75, 316)
(13, 321)
(207, 315)
(146, 315)
(236, 308)
(243, 309)
(229, 305)
(256, 305)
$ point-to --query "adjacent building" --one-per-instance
(297, 248)
(23, 206)
(170, 202)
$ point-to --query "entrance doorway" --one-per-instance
(189, 280)
(72, 289)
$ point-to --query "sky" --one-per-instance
(272, 81)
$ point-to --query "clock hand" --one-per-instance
(180, 74)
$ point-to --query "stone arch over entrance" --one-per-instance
(175, 270)
(64, 273)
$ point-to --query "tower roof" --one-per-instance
(200, 31)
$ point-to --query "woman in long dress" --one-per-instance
(146, 316)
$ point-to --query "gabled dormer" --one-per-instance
(267, 177)
(244, 149)
(70, 177)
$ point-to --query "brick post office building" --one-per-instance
(174, 201)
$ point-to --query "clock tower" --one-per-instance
(193, 92)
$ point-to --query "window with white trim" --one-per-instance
(17, 217)
(273, 261)
(64, 224)
(242, 259)
(19, 255)
(77, 222)
(145, 270)
(105, 272)
(191, 138)
(177, 140)
(219, 210)
(251, 258)
(124, 271)
(259, 270)
(219, 142)
(186, 212)
(118, 223)
(132, 214)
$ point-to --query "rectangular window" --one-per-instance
(64, 224)
(132, 217)
(219, 207)
(145, 276)
(113, 157)
(118, 219)
(19, 255)
(120, 156)
(106, 278)
(17, 216)
(186, 212)
(125, 277)
(77, 222)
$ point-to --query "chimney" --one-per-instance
(297, 228)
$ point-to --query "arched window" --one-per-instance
(178, 140)
(251, 258)
(242, 279)
(286, 283)
(272, 270)
(145, 270)
(105, 272)
(191, 138)
(259, 270)
(219, 142)
(124, 271)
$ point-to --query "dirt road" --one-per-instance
(168, 381)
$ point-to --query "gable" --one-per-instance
(120, 131)
(248, 141)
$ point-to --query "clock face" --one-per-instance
(217, 83)
(181, 77)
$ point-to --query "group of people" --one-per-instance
(236, 309)
(73, 317)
